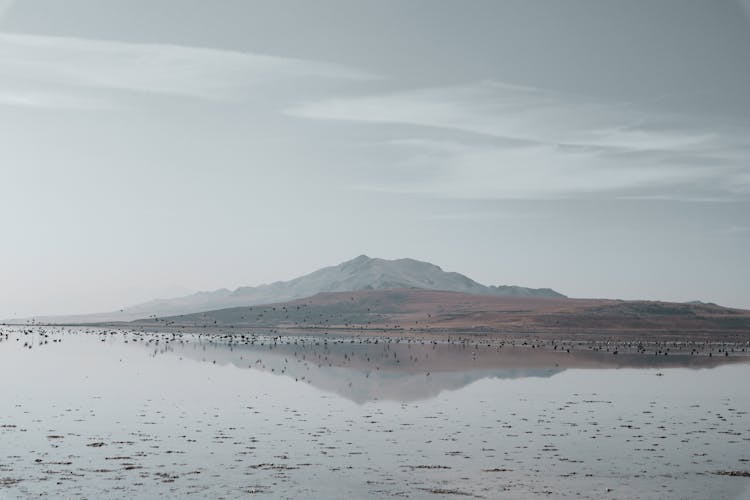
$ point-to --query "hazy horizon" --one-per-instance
(177, 293)
(150, 149)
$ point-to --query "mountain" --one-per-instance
(360, 273)
(365, 273)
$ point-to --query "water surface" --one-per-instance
(96, 413)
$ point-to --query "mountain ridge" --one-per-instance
(359, 273)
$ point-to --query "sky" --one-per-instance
(153, 148)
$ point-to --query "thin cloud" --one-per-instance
(535, 171)
(486, 215)
(174, 70)
(512, 112)
(554, 145)
(47, 100)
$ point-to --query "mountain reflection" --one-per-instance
(365, 370)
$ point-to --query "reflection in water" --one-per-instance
(363, 372)
(364, 369)
(102, 414)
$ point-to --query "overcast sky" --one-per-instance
(150, 148)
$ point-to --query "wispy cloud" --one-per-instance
(551, 144)
(45, 99)
(513, 112)
(530, 171)
(486, 215)
(735, 230)
(153, 68)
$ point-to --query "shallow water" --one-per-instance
(88, 414)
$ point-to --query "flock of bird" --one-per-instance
(42, 335)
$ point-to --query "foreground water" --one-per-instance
(94, 414)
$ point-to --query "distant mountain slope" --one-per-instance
(365, 273)
(425, 311)
(360, 273)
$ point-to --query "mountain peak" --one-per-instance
(357, 261)
(369, 273)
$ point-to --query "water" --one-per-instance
(120, 415)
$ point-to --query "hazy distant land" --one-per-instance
(409, 296)
(360, 273)
(429, 311)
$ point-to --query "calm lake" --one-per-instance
(90, 413)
